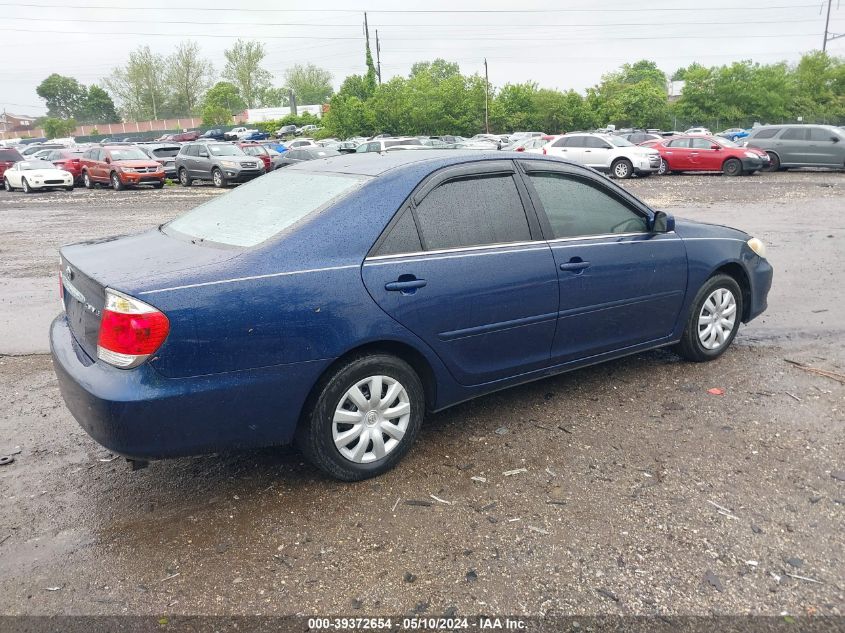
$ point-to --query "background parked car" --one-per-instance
(164, 154)
(733, 133)
(800, 145)
(222, 163)
(707, 153)
(379, 145)
(121, 167)
(606, 152)
(31, 150)
(184, 137)
(699, 130)
(255, 135)
(301, 142)
(254, 149)
(293, 156)
(8, 157)
(638, 138)
(216, 134)
(70, 160)
(33, 175)
(286, 130)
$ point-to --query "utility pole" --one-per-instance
(826, 26)
(366, 30)
(292, 98)
(378, 58)
(486, 99)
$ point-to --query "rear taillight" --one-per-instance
(130, 330)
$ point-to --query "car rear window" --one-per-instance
(166, 152)
(10, 155)
(255, 212)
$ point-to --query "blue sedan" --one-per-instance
(377, 288)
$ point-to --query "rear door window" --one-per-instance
(795, 134)
(472, 211)
(768, 133)
(402, 237)
(701, 143)
(576, 141)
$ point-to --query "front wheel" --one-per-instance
(158, 185)
(217, 178)
(69, 188)
(732, 167)
(86, 180)
(115, 182)
(26, 187)
(713, 320)
(622, 169)
(366, 415)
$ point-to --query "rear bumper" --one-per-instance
(138, 413)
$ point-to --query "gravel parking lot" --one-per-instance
(625, 488)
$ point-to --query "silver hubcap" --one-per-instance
(217, 178)
(717, 319)
(621, 170)
(663, 167)
(371, 419)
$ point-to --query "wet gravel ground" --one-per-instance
(626, 488)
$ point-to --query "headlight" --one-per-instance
(127, 170)
(230, 164)
(752, 155)
(757, 246)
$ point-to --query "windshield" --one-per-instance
(36, 164)
(254, 150)
(130, 153)
(620, 142)
(225, 150)
(256, 212)
(724, 142)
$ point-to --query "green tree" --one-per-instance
(64, 96)
(58, 128)
(98, 107)
(311, 84)
(140, 85)
(188, 78)
(215, 115)
(635, 95)
(224, 95)
(243, 69)
(370, 75)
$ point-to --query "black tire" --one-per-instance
(314, 435)
(25, 186)
(86, 180)
(217, 178)
(115, 182)
(732, 167)
(690, 346)
(184, 179)
(69, 188)
(774, 162)
(663, 170)
(6, 185)
(622, 169)
(158, 185)
(644, 174)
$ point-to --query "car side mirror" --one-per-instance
(108, 160)
(662, 222)
(715, 146)
(835, 139)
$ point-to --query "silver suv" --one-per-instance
(800, 145)
(222, 163)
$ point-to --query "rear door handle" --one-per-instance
(575, 266)
(405, 285)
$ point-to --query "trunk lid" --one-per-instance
(125, 264)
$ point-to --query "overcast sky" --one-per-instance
(559, 44)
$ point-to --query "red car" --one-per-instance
(8, 157)
(120, 166)
(68, 159)
(707, 153)
(254, 149)
(184, 137)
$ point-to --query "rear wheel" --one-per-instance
(663, 170)
(217, 178)
(6, 185)
(774, 162)
(25, 185)
(366, 415)
(86, 180)
(184, 178)
(115, 182)
(622, 168)
(732, 167)
(713, 320)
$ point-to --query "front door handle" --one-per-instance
(575, 266)
(406, 284)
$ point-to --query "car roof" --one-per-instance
(377, 163)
